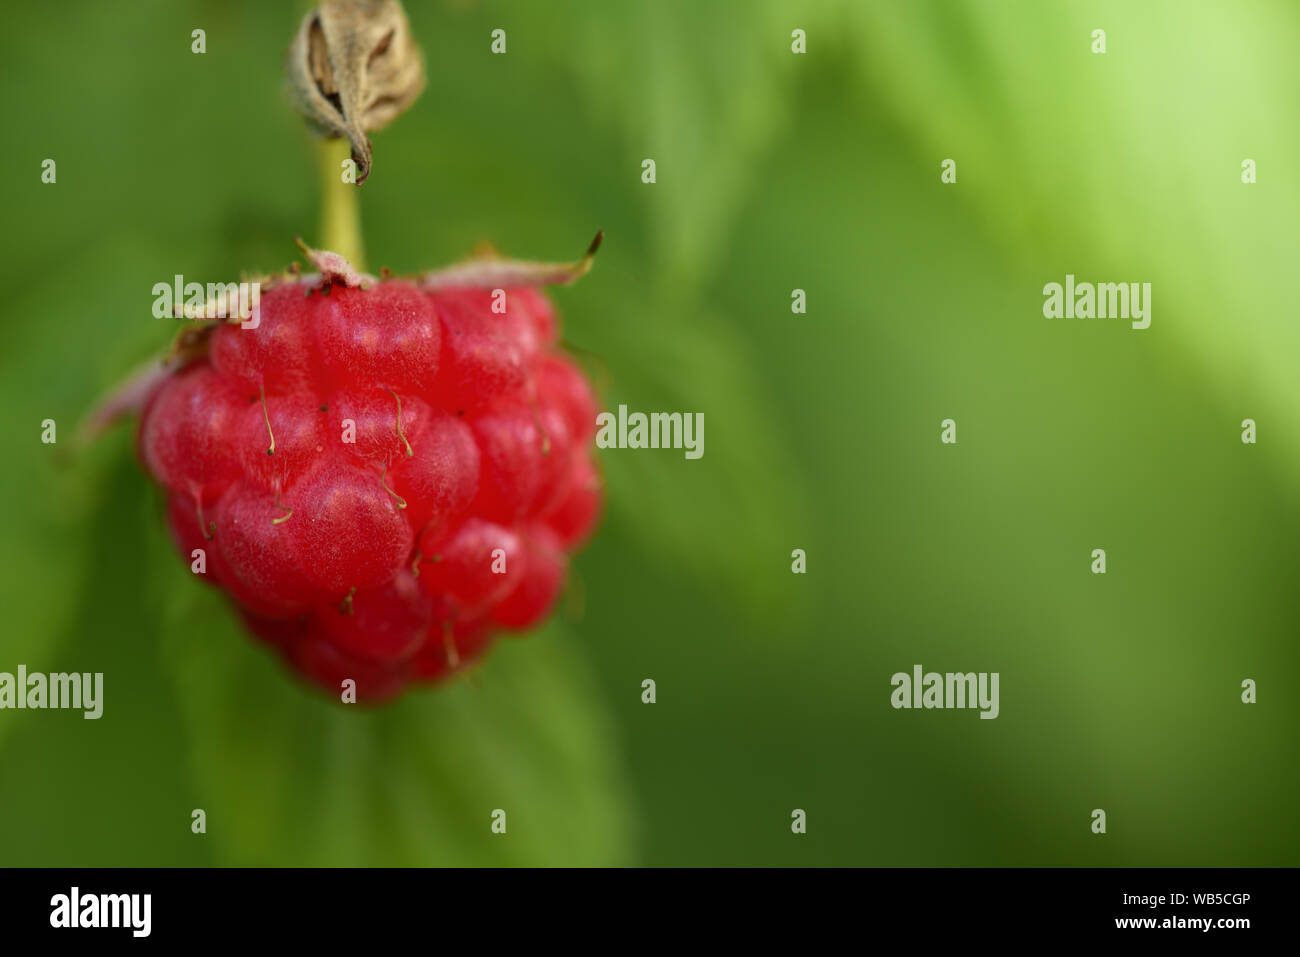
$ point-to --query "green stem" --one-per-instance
(340, 226)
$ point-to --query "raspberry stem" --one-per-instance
(340, 226)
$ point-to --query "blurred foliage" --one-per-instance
(775, 171)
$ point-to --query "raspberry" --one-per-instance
(382, 475)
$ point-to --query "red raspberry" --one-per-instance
(381, 474)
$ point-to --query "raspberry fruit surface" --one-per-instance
(381, 476)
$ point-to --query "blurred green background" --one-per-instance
(775, 172)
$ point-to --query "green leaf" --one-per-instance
(110, 791)
(52, 499)
(289, 777)
(1128, 161)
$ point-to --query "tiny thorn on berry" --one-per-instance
(383, 480)
(448, 645)
(400, 435)
(537, 421)
(210, 532)
(267, 418)
(415, 564)
(324, 408)
(345, 606)
(283, 518)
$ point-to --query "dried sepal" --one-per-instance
(233, 303)
(124, 399)
(190, 345)
(334, 269)
(490, 272)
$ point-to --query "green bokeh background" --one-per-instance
(775, 172)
